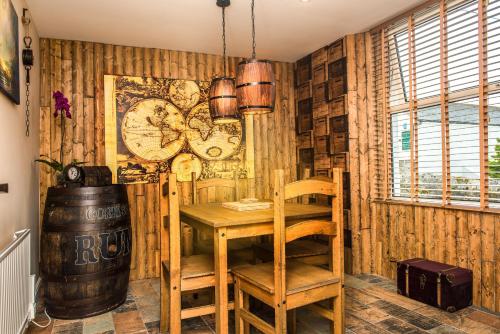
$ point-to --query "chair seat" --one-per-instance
(299, 276)
(197, 271)
(295, 249)
(207, 246)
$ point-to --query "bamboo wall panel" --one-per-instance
(78, 68)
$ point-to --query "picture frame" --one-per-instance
(9, 51)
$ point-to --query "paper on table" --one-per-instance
(238, 206)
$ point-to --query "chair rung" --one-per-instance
(202, 310)
(256, 322)
(320, 310)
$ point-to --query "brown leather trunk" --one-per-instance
(445, 286)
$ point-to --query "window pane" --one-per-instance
(400, 130)
(464, 150)
(398, 63)
(429, 153)
(427, 58)
(463, 69)
(494, 148)
(493, 41)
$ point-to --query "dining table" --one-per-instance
(225, 224)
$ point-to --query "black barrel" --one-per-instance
(85, 250)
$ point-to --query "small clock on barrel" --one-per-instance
(87, 176)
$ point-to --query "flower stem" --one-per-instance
(62, 138)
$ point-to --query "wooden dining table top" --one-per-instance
(215, 215)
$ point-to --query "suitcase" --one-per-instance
(437, 284)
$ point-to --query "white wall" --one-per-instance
(19, 208)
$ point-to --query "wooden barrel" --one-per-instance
(222, 101)
(85, 250)
(255, 86)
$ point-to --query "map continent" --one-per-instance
(154, 130)
(208, 140)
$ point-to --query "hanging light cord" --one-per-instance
(253, 29)
(224, 38)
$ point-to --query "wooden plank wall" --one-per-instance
(384, 232)
(78, 68)
(458, 237)
(362, 149)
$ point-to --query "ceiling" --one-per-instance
(286, 29)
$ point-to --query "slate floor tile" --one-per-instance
(128, 322)
(485, 318)
(372, 306)
(150, 313)
(68, 328)
(128, 306)
(445, 329)
(99, 324)
(42, 320)
(153, 327)
(394, 325)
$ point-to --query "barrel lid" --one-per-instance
(254, 60)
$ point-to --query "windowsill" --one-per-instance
(437, 205)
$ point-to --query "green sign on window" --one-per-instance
(405, 142)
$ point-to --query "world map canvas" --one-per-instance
(161, 125)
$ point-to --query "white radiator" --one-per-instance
(15, 287)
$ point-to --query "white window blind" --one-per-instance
(436, 74)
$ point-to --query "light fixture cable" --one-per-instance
(224, 38)
(253, 30)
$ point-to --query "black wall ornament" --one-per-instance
(28, 61)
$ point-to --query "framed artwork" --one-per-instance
(157, 125)
(9, 51)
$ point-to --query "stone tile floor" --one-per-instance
(372, 306)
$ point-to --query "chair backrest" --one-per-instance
(174, 224)
(333, 228)
(215, 190)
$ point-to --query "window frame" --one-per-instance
(411, 103)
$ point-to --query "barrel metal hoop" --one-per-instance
(87, 190)
(84, 202)
(84, 277)
(252, 60)
(223, 97)
(222, 78)
(255, 83)
(101, 226)
(255, 107)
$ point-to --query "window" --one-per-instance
(494, 148)
(430, 176)
(464, 150)
(400, 125)
(436, 86)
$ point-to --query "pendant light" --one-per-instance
(255, 85)
(222, 96)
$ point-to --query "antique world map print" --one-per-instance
(158, 125)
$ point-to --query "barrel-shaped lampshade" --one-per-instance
(222, 101)
(255, 87)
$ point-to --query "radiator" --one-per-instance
(15, 287)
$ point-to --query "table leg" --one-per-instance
(221, 299)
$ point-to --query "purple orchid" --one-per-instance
(62, 104)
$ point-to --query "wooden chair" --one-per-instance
(287, 287)
(205, 191)
(309, 251)
(219, 190)
(181, 274)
